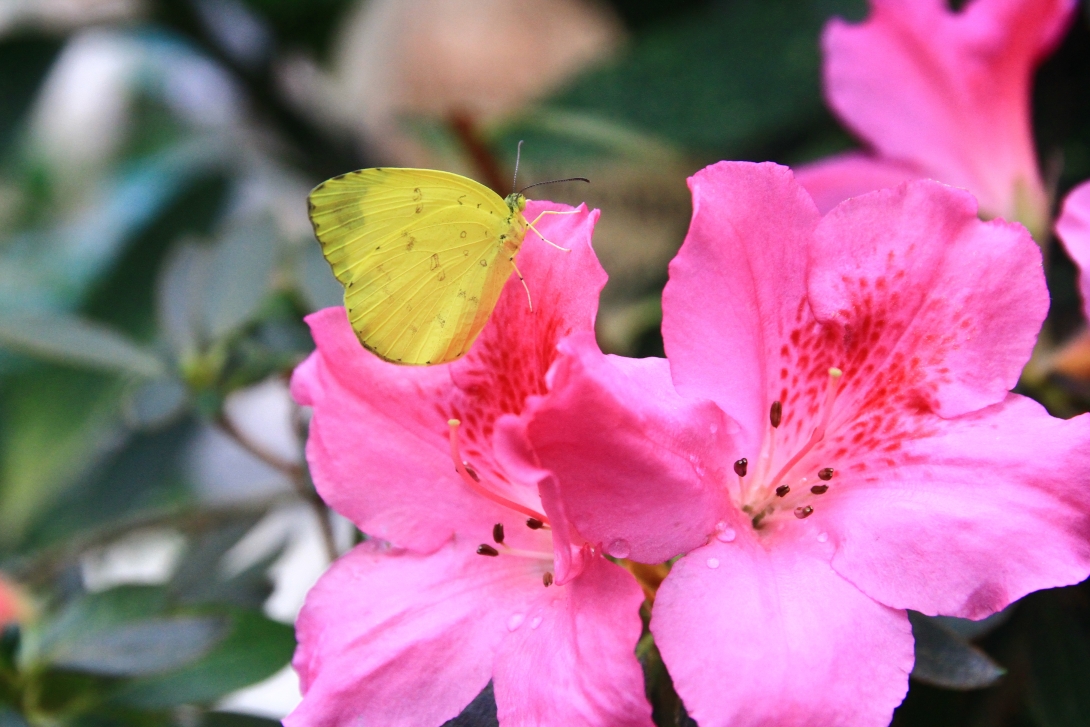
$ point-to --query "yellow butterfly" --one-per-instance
(423, 256)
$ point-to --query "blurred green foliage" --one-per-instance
(139, 290)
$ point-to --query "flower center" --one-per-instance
(783, 488)
(535, 519)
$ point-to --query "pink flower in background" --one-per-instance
(13, 607)
(1073, 230)
(842, 444)
(407, 629)
(941, 94)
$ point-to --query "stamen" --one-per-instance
(547, 579)
(497, 532)
(741, 467)
(528, 554)
(819, 489)
(827, 473)
(804, 512)
(475, 484)
(472, 472)
(535, 524)
(782, 491)
(775, 414)
(819, 432)
(485, 549)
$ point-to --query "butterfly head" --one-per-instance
(516, 201)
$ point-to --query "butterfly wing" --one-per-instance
(423, 256)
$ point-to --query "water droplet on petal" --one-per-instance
(823, 537)
(619, 548)
(515, 621)
(727, 536)
(713, 563)
(535, 622)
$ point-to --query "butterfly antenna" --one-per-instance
(556, 181)
(518, 155)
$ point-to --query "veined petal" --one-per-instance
(571, 658)
(949, 92)
(736, 286)
(971, 514)
(834, 179)
(1073, 229)
(931, 303)
(404, 640)
(377, 446)
(772, 637)
(639, 469)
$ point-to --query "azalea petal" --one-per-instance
(834, 179)
(570, 660)
(771, 637)
(404, 640)
(1073, 229)
(637, 468)
(379, 441)
(736, 285)
(949, 92)
(510, 359)
(971, 514)
(913, 332)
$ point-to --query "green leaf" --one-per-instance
(481, 712)
(233, 719)
(78, 342)
(93, 613)
(724, 80)
(10, 718)
(242, 267)
(24, 62)
(143, 647)
(256, 648)
(143, 473)
(946, 659)
(56, 422)
(1059, 684)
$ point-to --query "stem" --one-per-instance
(296, 474)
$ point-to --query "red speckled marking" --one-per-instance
(892, 356)
(507, 364)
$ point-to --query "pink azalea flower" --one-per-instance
(842, 444)
(941, 94)
(407, 629)
(13, 605)
(1073, 230)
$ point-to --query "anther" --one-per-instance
(497, 532)
(484, 549)
(775, 414)
(471, 472)
(804, 512)
(534, 524)
(741, 467)
(782, 491)
(819, 489)
(547, 579)
(826, 474)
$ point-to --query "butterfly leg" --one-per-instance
(524, 285)
(550, 212)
